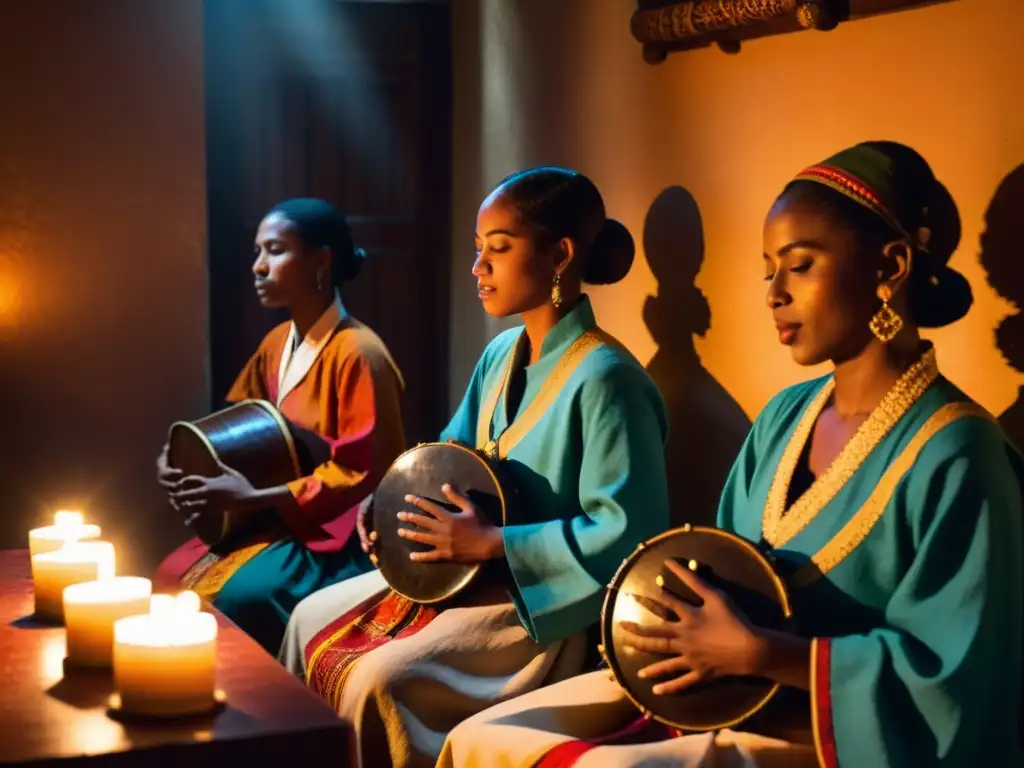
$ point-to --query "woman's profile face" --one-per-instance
(513, 275)
(822, 289)
(285, 271)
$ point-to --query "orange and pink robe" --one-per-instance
(340, 383)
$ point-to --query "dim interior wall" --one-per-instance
(103, 287)
(689, 155)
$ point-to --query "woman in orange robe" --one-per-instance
(328, 373)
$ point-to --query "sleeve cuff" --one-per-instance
(821, 702)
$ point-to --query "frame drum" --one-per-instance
(251, 437)
(421, 471)
(726, 562)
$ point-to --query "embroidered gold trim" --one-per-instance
(778, 525)
(849, 537)
(208, 575)
(485, 416)
(549, 390)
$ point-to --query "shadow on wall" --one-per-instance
(706, 426)
(1001, 256)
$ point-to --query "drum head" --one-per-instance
(421, 471)
(724, 561)
(189, 451)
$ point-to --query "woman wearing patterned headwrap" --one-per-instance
(327, 373)
(892, 504)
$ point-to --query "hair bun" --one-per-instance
(940, 297)
(611, 255)
(349, 267)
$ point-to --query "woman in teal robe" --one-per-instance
(890, 501)
(580, 429)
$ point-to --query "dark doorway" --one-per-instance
(351, 102)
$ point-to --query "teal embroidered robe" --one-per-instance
(590, 474)
(914, 597)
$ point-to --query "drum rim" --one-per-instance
(267, 406)
(475, 569)
(606, 647)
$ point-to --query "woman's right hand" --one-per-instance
(168, 476)
(366, 536)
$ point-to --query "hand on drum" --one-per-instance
(228, 491)
(705, 642)
(366, 536)
(465, 536)
(169, 477)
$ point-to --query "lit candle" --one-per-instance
(67, 526)
(75, 562)
(165, 661)
(90, 610)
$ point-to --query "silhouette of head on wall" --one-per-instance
(706, 425)
(1001, 253)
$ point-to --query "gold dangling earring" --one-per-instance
(886, 323)
(556, 292)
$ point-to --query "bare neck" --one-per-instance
(542, 319)
(307, 312)
(862, 381)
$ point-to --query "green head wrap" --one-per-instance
(897, 184)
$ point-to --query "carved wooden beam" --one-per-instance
(661, 27)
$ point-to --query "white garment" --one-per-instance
(403, 698)
(519, 732)
(298, 358)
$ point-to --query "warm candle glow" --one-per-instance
(90, 610)
(73, 563)
(64, 518)
(68, 525)
(165, 661)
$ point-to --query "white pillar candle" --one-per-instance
(75, 562)
(165, 661)
(90, 610)
(67, 526)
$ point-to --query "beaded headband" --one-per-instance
(852, 187)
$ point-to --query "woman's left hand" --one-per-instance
(465, 536)
(228, 491)
(706, 642)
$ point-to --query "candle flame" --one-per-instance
(161, 607)
(66, 518)
(187, 602)
(172, 620)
